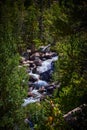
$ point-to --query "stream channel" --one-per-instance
(40, 66)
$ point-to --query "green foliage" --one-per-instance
(37, 43)
(45, 115)
(11, 91)
(48, 24)
(76, 11)
(55, 24)
(69, 71)
(31, 25)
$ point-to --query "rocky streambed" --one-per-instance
(40, 66)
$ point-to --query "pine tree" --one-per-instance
(11, 90)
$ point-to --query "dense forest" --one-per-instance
(29, 24)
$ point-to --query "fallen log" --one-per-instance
(70, 114)
(77, 118)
